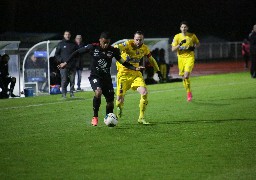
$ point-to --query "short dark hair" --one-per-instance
(139, 33)
(184, 22)
(67, 31)
(105, 35)
(5, 55)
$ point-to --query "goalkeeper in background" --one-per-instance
(133, 51)
(185, 43)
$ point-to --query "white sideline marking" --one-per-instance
(35, 105)
(150, 92)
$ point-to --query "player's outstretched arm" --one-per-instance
(71, 57)
(63, 65)
(197, 45)
(153, 62)
(130, 66)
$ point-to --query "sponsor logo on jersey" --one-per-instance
(109, 54)
(96, 52)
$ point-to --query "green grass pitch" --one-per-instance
(212, 137)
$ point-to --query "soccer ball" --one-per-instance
(111, 120)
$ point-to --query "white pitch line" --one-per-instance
(36, 105)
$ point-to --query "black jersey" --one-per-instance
(102, 58)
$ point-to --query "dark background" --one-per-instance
(230, 20)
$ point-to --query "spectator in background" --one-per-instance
(34, 63)
(36, 71)
(162, 63)
(252, 40)
(79, 61)
(168, 69)
(149, 69)
(155, 54)
(246, 52)
(6, 79)
(64, 49)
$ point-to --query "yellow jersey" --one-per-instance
(191, 40)
(133, 54)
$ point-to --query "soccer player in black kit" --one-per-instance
(100, 77)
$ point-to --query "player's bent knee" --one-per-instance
(120, 99)
(98, 92)
(110, 98)
(186, 75)
(110, 104)
(142, 90)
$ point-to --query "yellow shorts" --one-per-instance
(126, 81)
(185, 65)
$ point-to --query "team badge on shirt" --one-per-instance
(109, 54)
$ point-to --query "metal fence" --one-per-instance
(206, 51)
(215, 51)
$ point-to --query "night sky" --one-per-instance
(231, 20)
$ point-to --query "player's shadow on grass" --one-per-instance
(239, 98)
(205, 121)
(134, 125)
(204, 103)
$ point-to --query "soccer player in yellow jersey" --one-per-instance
(133, 51)
(185, 43)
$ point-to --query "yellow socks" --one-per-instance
(119, 104)
(186, 83)
(143, 104)
(119, 108)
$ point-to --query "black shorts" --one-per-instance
(106, 86)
